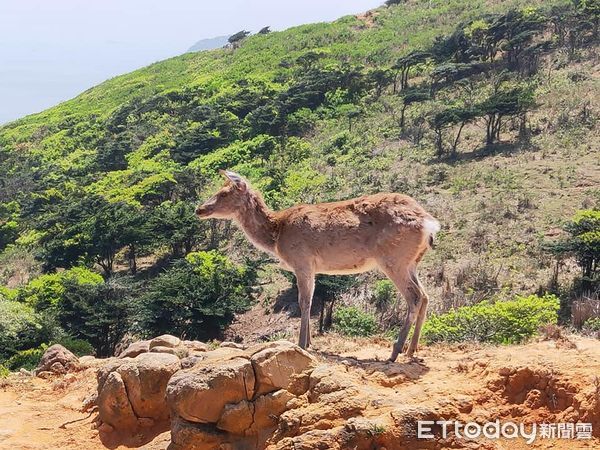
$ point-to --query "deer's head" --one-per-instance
(227, 201)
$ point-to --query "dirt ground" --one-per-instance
(46, 414)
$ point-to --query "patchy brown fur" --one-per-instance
(388, 231)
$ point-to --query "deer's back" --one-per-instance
(383, 210)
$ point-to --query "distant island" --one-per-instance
(208, 44)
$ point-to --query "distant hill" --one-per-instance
(209, 44)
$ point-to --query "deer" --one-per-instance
(386, 231)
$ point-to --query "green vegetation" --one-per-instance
(197, 297)
(351, 321)
(502, 322)
(26, 359)
(483, 110)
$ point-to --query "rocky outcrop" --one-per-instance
(57, 360)
(134, 349)
(131, 392)
(212, 399)
(164, 344)
(234, 397)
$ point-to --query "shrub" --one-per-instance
(197, 297)
(26, 359)
(351, 321)
(97, 313)
(592, 326)
(79, 347)
(21, 328)
(4, 372)
(47, 290)
(503, 322)
(384, 293)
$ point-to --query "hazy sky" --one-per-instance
(50, 50)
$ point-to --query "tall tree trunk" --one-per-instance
(455, 144)
(132, 259)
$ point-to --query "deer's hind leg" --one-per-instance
(404, 278)
(412, 348)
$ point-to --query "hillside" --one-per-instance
(484, 111)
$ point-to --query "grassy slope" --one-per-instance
(495, 208)
(395, 31)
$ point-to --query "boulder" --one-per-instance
(194, 436)
(134, 349)
(57, 359)
(114, 407)
(237, 418)
(195, 346)
(281, 365)
(132, 389)
(166, 340)
(200, 394)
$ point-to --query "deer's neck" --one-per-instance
(258, 223)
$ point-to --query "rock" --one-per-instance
(57, 359)
(194, 436)
(191, 361)
(161, 349)
(114, 407)
(89, 361)
(132, 388)
(134, 349)
(268, 407)
(278, 365)
(237, 417)
(232, 345)
(166, 340)
(106, 428)
(180, 352)
(45, 374)
(196, 346)
(200, 394)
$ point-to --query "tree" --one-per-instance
(9, 227)
(583, 245)
(405, 64)
(91, 229)
(327, 289)
(409, 97)
(236, 38)
(380, 78)
(98, 313)
(447, 117)
(197, 297)
(173, 223)
(507, 99)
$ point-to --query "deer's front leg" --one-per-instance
(306, 288)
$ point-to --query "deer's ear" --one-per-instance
(238, 181)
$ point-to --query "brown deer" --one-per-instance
(391, 232)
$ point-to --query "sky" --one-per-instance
(51, 50)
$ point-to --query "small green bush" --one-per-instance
(79, 347)
(503, 322)
(26, 359)
(4, 372)
(592, 325)
(384, 293)
(351, 321)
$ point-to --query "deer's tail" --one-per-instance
(431, 226)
